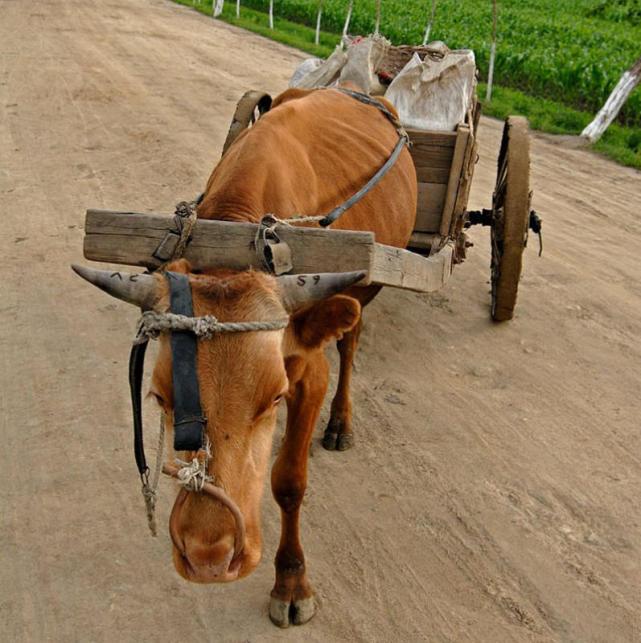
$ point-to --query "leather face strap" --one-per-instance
(189, 421)
(136, 366)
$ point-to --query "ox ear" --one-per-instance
(327, 320)
(298, 291)
(136, 289)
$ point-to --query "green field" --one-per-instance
(557, 60)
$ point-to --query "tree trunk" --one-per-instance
(613, 105)
(348, 18)
(490, 75)
(430, 22)
(319, 17)
(218, 7)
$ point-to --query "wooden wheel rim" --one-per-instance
(511, 210)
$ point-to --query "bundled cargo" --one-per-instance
(432, 87)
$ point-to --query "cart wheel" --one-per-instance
(510, 216)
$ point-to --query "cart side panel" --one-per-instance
(432, 153)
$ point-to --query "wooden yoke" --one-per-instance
(131, 238)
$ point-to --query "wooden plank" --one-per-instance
(432, 157)
(432, 138)
(409, 270)
(424, 241)
(429, 209)
(433, 174)
(131, 238)
(463, 135)
(465, 184)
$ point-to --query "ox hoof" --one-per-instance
(338, 435)
(345, 441)
(284, 613)
(329, 440)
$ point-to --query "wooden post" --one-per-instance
(377, 28)
(318, 22)
(237, 8)
(271, 14)
(218, 7)
(430, 22)
(348, 18)
(630, 79)
(490, 75)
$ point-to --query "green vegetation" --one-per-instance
(557, 60)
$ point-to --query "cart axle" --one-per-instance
(485, 217)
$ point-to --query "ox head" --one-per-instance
(243, 377)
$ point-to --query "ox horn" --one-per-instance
(299, 290)
(136, 289)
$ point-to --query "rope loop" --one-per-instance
(153, 323)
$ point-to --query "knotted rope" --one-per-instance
(153, 323)
(193, 475)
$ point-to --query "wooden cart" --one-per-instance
(444, 163)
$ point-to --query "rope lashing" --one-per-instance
(193, 475)
(153, 323)
(185, 217)
(149, 489)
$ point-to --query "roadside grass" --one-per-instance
(621, 144)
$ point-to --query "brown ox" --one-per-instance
(309, 154)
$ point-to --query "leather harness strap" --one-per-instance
(189, 421)
(136, 367)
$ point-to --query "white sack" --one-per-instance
(434, 94)
(364, 57)
(317, 73)
(305, 68)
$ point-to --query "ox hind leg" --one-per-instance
(292, 599)
(339, 433)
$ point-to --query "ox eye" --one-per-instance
(278, 399)
(158, 398)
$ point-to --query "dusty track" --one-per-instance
(494, 491)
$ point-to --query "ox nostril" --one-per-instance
(210, 559)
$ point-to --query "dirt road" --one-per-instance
(494, 491)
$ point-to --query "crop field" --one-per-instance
(572, 51)
(567, 55)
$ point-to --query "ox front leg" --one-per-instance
(292, 599)
(338, 434)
